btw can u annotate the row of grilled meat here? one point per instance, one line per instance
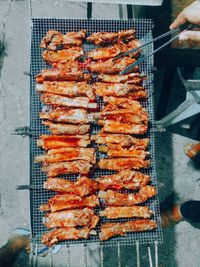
(69, 92)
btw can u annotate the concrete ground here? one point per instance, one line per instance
(176, 173)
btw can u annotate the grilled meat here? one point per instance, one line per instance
(61, 128)
(82, 187)
(116, 199)
(111, 229)
(55, 40)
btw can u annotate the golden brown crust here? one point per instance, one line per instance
(69, 89)
(116, 199)
(82, 187)
(109, 230)
(56, 40)
(61, 128)
(127, 212)
(126, 179)
(112, 67)
(60, 55)
(101, 38)
(117, 164)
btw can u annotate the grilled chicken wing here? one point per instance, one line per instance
(70, 89)
(127, 179)
(112, 67)
(101, 38)
(54, 141)
(68, 218)
(115, 89)
(125, 128)
(116, 199)
(69, 201)
(61, 114)
(135, 78)
(121, 139)
(117, 164)
(67, 167)
(67, 154)
(59, 128)
(111, 229)
(126, 212)
(77, 102)
(82, 187)
(56, 40)
(60, 55)
(113, 51)
(116, 151)
(61, 234)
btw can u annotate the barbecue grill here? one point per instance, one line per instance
(38, 195)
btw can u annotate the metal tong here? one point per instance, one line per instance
(177, 31)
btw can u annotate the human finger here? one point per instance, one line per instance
(190, 35)
(181, 19)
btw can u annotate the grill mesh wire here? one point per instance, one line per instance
(39, 196)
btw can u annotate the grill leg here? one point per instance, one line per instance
(138, 253)
(156, 253)
(150, 257)
(118, 254)
(101, 255)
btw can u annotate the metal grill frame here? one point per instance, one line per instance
(38, 195)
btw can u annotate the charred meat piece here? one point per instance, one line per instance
(63, 114)
(121, 139)
(67, 154)
(82, 187)
(72, 233)
(67, 167)
(69, 89)
(54, 141)
(60, 55)
(112, 67)
(68, 218)
(122, 102)
(116, 151)
(76, 102)
(127, 212)
(55, 40)
(124, 115)
(113, 198)
(101, 38)
(117, 164)
(113, 51)
(115, 89)
(127, 179)
(110, 126)
(67, 70)
(61, 128)
(61, 75)
(137, 95)
(111, 229)
(69, 201)
(131, 78)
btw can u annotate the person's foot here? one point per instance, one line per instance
(192, 150)
(20, 238)
(190, 210)
(171, 216)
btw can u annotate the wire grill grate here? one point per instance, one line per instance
(39, 196)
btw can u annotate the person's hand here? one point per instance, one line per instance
(190, 14)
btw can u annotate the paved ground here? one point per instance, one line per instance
(175, 172)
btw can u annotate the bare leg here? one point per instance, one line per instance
(10, 251)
